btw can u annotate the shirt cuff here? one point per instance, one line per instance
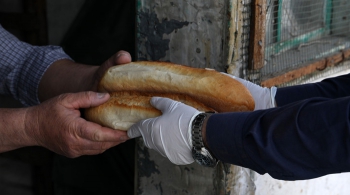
(225, 138)
(40, 60)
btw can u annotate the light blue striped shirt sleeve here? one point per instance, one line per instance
(23, 65)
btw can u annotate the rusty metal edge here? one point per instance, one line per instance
(311, 68)
(257, 35)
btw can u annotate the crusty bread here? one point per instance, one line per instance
(132, 85)
(123, 109)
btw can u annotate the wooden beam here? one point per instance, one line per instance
(316, 66)
(257, 35)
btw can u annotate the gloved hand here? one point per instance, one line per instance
(170, 133)
(264, 97)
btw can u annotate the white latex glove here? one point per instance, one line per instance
(170, 133)
(264, 97)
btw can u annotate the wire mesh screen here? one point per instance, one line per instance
(299, 32)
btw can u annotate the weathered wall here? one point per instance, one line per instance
(198, 33)
(195, 33)
(206, 34)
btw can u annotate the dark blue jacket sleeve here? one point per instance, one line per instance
(329, 88)
(302, 139)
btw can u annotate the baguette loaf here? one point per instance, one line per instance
(123, 108)
(132, 85)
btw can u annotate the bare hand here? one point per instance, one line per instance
(57, 125)
(66, 76)
(121, 57)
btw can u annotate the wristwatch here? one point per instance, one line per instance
(199, 153)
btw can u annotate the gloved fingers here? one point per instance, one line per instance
(273, 92)
(167, 105)
(244, 82)
(150, 140)
(134, 131)
(161, 103)
(182, 160)
(240, 80)
(224, 73)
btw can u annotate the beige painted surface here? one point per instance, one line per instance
(337, 184)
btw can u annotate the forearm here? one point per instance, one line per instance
(65, 76)
(303, 140)
(23, 65)
(12, 129)
(329, 88)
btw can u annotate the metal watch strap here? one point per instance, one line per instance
(200, 154)
(197, 131)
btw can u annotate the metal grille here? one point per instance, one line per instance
(299, 32)
(246, 17)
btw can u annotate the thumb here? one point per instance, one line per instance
(84, 99)
(97, 98)
(121, 57)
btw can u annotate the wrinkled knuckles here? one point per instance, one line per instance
(89, 95)
(62, 97)
(97, 136)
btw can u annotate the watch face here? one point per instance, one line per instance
(203, 157)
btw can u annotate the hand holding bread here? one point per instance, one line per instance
(132, 85)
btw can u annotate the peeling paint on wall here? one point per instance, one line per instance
(152, 30)
(167, 178)
(148, 167)
(197, 42)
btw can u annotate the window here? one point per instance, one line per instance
(302, 32)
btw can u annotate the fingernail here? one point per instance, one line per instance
(121, 54)
(101, 95)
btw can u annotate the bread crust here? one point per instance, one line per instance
(124, 108)
(132, 85)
